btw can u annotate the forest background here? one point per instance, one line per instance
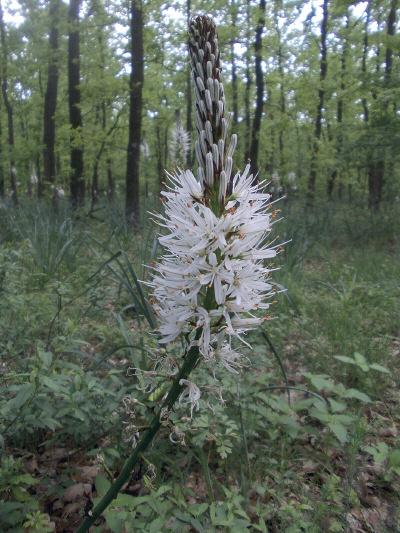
(96, 103)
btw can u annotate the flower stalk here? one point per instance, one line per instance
(178, 386)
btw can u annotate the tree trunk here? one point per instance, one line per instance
(2, 187)
(9, 108)
(77, 182)
(255, 134)
(323, 69)
(339, 115)
(50, 101)
(248, 84)
(282, 101)
(376, 166)
(135, 112)
(234, 80)
(189, 103)
(364, 62)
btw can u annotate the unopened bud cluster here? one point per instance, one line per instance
(213, 153)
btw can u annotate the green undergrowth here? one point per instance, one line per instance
(306, 439)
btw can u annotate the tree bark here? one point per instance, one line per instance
(77, 182)
(9, 108)
(248, 83)
(255, 134)
(189, 103)
(364, 62)
(50, 101)
(282, 101)
(323, 70)
(376, 166)
(132, 205)
(339, 114)
(234, 80)
(2, 186)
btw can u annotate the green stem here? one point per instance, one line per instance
(189, 363)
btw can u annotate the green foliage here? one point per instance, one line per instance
(70, 338)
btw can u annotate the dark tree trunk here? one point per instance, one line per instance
(8, 106)
(364, 61)
(282, 101)
(77, 182)
(376, 166)
(234, 80)
(189, 103)
(135, 112)
(323, 69)
(50, 101)
(248, 84)
(255, 134)
(339, 115)
(2, 187)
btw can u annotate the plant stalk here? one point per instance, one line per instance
(176, 389)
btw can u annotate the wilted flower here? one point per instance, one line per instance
(212, 283)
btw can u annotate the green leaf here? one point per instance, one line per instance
(357, 395)
(379, 368)
(102, 484)
(361, 362)
(24, 394)
(46, 358)
(320, 381)
(339, 431)
(345, 359)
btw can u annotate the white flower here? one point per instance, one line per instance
(212, 283)
(60, 193)
(191, 394)
(33, 179)
(179, 144)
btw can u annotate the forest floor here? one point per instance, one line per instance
(307, 439)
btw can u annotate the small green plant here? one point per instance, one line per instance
(15, 500)
(38, 522)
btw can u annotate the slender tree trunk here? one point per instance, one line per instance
(77, 182)
(339, 115)
(2, 187)
(189, 103)
(248, 83)
(50, 101)
(364, 62)
(323, 69)
(282, 101)
(376, 169)
(9, 107)
(234, 81)
(255, 134)
(135, 112)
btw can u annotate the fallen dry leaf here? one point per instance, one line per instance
(75, 492)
